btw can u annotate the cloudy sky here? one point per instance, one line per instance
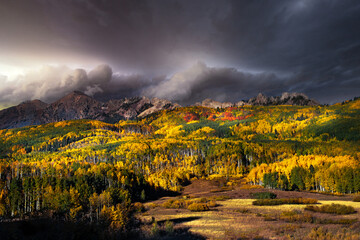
(183, 51)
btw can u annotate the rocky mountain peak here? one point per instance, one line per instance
(262, 100)
(75, 96)
(38, 104)
(157, 105)
(75, 105)
(26, 113)
(296, 99)
(78, 105)
(213, 104)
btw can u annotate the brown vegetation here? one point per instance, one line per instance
(198, 207)
(332, 208)
(235, 217)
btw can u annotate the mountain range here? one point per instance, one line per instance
(261, 100)
(78, 105)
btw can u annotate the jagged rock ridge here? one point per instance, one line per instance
(24, 114)
(214, 104)
(78, 105)
(262, 100)
(285, 99)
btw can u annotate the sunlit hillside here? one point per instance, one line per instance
(94, 171)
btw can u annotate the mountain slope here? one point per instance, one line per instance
(298, 99)
(24, 114)
(285, 99)
(78, 105)
(75, 105)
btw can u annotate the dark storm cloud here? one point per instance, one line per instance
(222, 84)
(123, 86)
(194, 84)
(247, 46)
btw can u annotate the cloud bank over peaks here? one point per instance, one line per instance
(222, 84)
(185, 87)
(51, 83)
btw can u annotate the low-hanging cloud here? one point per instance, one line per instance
(221, 84)
(185, 87)
(51, 83)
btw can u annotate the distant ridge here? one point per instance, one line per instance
(77, 105)
(24, 114)
(286, 98)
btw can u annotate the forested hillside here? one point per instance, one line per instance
(93, 171)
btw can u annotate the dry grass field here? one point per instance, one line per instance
(235, 217)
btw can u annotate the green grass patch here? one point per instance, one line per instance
(281, 201)
(263, 195)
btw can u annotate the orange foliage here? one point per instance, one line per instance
(191, 117)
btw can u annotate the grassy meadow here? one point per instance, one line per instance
(238, 218)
